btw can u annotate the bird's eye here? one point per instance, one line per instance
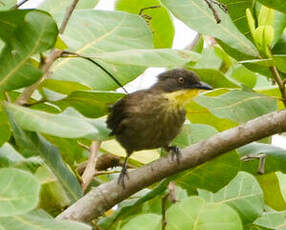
(181, 80)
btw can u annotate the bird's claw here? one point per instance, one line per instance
(175, 153)
(121, 179)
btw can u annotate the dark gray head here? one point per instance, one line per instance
(179, 79)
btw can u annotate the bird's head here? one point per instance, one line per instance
(180, 86)
(180, 79)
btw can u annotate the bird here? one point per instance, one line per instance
(153, 117)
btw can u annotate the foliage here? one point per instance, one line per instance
(43, 141)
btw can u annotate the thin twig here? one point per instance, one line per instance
(67, 16)
(194, 42)
(280, 82)
(19, 4)
(147, 8)
(261, 157)
(72, 54)
(83, 145)
(215, 13)
(172, 192)
(163, 207)
(7, 97)
(90, 170)
(27, 93)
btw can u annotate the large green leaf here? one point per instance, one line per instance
(64, 87)
(32, 221)
(277, 4)
(244, 76)
(149, 57)
(9, 157)
(199, 114)
(272, 220)
(243, 194)
(61, 125)
(210, 175)
(7, 4)
(53, 198)
(19, 192)
(92, 103)
(91, 32)
(35, 143)
(55, 6)
(144, 221)
(37, 31)
(195, 213)
(161, 22)
(239, 106)
(197, 15)
(215, 78)
(236, 10)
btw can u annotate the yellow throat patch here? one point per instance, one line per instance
(181, 97)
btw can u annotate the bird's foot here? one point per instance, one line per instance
(122, 176)
(175, 153)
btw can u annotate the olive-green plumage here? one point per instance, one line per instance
(152, 118)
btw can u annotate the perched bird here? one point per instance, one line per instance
(152, 118)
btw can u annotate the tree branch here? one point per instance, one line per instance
(90, 170)
(67, 16)
(53, 56)
(105, 196)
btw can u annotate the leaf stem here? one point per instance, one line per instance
(280, 82)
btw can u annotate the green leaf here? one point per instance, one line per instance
(276, 60)
(144, 221)
(244, 76)
(35, 143)
(193, 133)
(274, 194)
(236, 10)
(215, 78)
(38, 33)
(277, 4)
(239, 106)
(195, 213)
(244, 195)
(64, 87)
(104, 31)
(54, 6)
(210, 175)
(19, 192)
(36, 222)
(7, 4)
(149, 57)
(272, 220)
(9, 157)
(161, 22)
(132, 208)
(92, 103)
(197, 15)
(53, 198)
(61, 125)
(199, 114)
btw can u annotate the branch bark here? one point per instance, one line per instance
(105, 196)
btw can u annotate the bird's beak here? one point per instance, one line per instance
(203, 85)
